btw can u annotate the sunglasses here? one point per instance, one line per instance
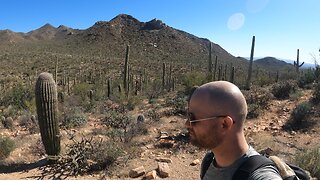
(191, 118)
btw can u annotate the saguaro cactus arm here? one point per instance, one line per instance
(296, 63)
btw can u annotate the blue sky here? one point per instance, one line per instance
(280, 26)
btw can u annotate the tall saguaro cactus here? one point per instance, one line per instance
(296, 63)
(47, 110)
(126, 71)
(209, 76)
(163, 75)
(248, 84)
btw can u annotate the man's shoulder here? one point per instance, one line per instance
(265, 173)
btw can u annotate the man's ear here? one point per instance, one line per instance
(227, 122)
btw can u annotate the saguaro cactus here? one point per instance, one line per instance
(296, 63)
(209, 76)
(163, 75)
(126, 71)
(248, 83)
(215, 68)
(47, 110)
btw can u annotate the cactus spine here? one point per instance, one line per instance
(47, 110)
(248, 84)
(296, 63)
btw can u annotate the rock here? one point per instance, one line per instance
(151, 175)
(165, 143)
(293, 133)
(162, 159)
(163, 135)
(163, 169)
(139, 171)
(195, 162)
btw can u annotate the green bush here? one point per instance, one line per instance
(254, 111)
(193, 79)
(316, 94)
(283, 90)
(7, 123)
(258, 100)
(178, 103)
(87, 155)
(74, 120)
(6, 147)
(309, 160)
(307, 78)
(300, 117)
(82, 90)
(121, 126)
(19, 96)
(153, 115)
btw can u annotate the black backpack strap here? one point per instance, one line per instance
(250, 165)
(207, 160)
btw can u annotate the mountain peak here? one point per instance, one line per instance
(154, 24)
(124, 19)
(47, 26)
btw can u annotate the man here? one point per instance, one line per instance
(217, 111)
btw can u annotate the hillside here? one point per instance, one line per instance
(102, 46)
(273, 63)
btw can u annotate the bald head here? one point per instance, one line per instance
(220, 98)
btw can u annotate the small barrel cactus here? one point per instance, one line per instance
(140, 118)
(47, 110)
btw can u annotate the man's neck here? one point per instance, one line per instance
(227, 154)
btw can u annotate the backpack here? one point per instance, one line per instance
(286, 171)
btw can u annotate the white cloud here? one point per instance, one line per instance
(236, 21)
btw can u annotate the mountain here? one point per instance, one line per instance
(10, 36)
(149, 40)
(151, 43)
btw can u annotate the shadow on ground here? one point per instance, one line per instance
(11, 168)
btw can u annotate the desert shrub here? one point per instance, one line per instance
(74, 120)
(7, 145)
(153, 115)
(178, 103)
(254, 111)
(307, 78)
(295, 95)
(18, 96)
(258, 100)
(282, 90)
(193, 79)
(309, 160)
(10, 111)
(300, 117)
(154, 90)
(316, 94)
(121, 126)
(82, 90)
(7, 123)
(85, 155)
(29, 121)
(264, 80)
